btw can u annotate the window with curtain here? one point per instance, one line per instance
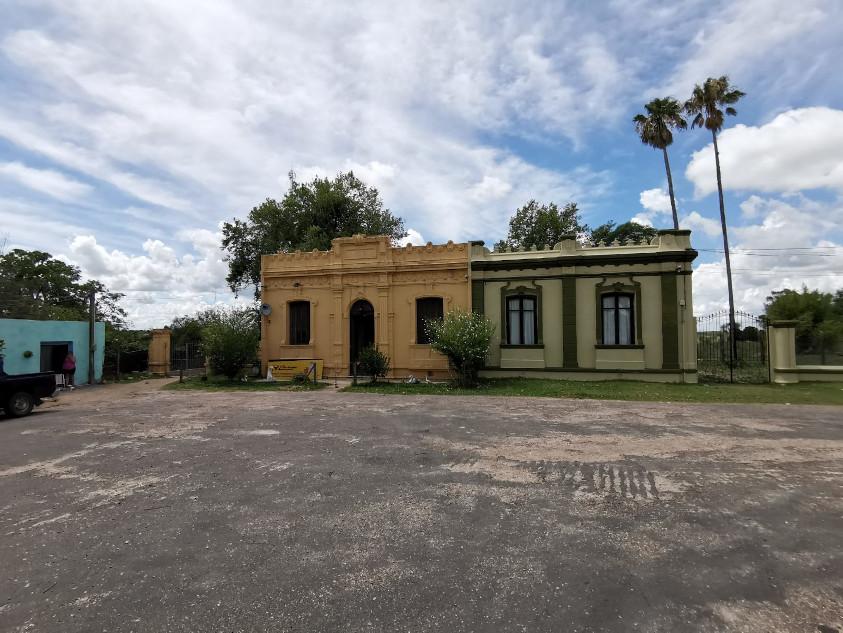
(521, 320)
(427, 309)
(299, 322)
(618, 319)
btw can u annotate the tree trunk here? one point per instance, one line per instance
(670, 189)
(733, 343)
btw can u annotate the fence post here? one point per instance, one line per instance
(782, 337)
(159, 352)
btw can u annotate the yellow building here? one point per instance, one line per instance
(572, 311)
(328, 305)
(590, 312)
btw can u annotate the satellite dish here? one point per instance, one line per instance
(266, 309)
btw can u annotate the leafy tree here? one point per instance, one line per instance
(625, 233)
(187, 329)
(35, 285)
(542, 225)
(818, 316)
(464, 338)
(709, 104)
(373, 362)
(309, 216)
(230, 340)
(656, 130)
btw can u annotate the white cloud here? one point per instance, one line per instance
(413, 237)
(738, 36)
(656, 203)
(159, 284)
(792, 244)
(696, 222)
(797, 150)
(48, 181)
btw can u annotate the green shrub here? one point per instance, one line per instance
(374, 363)
(300, 378)
(464, 338)
(230, 340)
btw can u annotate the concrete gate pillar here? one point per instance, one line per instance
(782, 337)
(159, 352)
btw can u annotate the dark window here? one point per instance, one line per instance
(618, 319)
(521, 320)
(299, 322)
(427, 309)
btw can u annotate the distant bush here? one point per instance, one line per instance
(374, 363)
(230, 340)
(464, 338)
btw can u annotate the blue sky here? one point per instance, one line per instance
(129, 131)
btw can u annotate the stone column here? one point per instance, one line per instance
(159, 352)
(782, 337)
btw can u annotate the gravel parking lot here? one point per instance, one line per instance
(133, 509)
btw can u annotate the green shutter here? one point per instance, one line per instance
(569, 322)
(478, 296)
(670, 322)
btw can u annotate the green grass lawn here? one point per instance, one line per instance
(802, 393)
(221, 384)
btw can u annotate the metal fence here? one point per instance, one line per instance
(721, 360)
(823, 346)
(186, 357)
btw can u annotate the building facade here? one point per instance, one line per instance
(571, 311)
(329, 305)
(590, 312)
(34, 346)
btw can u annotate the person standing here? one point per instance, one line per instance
(68, 367)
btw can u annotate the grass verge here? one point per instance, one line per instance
(801, 393)
(218, 384)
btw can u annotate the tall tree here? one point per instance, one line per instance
(708, 106)
(625, 233)
(35, 285)
(541, 225)
(309, 216)
(656, 130)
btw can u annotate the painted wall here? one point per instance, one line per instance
(572, 277)
(370, 268)
(21, 335)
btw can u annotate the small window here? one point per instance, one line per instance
(521, 320)
(427, 309)
(299, 322)
(618, 319)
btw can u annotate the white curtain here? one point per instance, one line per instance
(529, 316)
(514, 322)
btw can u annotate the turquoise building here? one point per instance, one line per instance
(33, 346)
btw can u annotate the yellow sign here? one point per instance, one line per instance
(286, 369)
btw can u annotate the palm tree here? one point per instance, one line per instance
(708, 106)
(656, 130)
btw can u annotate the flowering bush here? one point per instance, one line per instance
(464, 338)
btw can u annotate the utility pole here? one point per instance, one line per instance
(92, 343)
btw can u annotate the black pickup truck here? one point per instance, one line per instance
(21, 392)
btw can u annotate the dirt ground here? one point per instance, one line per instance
(126, 508)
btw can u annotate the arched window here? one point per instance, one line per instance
(299, 312)
(427, 309)
(618, 312)
(521, 320)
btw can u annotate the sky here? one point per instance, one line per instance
(129, 131)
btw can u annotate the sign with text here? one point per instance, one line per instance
(286, 369)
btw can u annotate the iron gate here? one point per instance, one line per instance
(718, 360)
(186, 357)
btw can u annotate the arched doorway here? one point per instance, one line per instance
(362, 335)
